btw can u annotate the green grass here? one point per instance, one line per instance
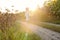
(29, 36)
(14, 33)
(51, 27)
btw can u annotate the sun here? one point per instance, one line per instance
(20, 5)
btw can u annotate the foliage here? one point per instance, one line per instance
(54, 8)
(10, 29)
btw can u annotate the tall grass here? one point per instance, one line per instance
(14, 33)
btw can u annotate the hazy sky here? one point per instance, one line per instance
(20, 4)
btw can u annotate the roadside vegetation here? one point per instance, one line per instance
(11, 30)
(50, 13)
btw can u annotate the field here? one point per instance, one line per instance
(15, 32)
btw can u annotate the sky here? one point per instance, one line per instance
(20, 4)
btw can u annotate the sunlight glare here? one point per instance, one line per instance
(20, 5)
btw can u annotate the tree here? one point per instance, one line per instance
(54, 8)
